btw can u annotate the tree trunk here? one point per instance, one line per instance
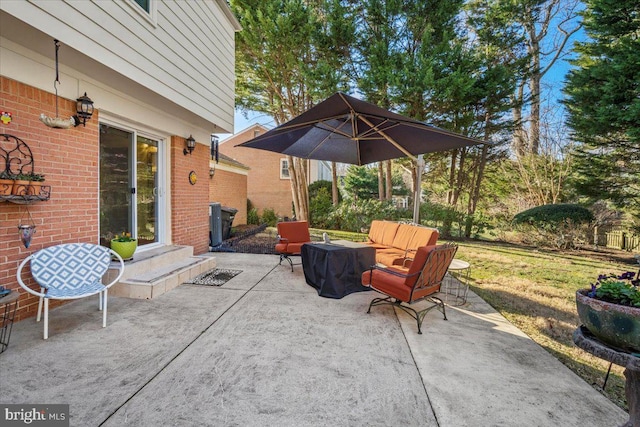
(460, 178)
(380, 181)
(534, 88)
(519, 135)
(299, 187)
(389, 185)
(452, 175)
(334, 184)
(475, 192)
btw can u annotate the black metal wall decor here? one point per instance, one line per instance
(16, 156)
(17, 163)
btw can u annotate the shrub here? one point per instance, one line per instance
(320, 206)
(445, 218)
(269, 217)
(357, 215)
(317, 186)
(552, 214)
(562, 226)
(252, 217)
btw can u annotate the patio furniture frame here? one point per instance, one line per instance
(70, 271)
(419, 282)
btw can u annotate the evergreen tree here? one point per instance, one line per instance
(290, 55)
(603, 99)
(361, 182)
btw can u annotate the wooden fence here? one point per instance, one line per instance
(619, 239)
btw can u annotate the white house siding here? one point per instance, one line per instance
(179, 60)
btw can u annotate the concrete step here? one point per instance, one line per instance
(153, 259)
(155, 272)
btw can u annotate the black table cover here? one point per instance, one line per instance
(335, 269)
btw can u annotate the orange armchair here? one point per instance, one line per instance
(291, 236)
(420, 281)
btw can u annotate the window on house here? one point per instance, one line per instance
(145, 4)
(256, 132)
(284, 169)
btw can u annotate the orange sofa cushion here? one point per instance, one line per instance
(403, 236)
(390, 256)
(395, 242)
(423, 236)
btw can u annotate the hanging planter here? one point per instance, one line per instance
(84, 106)
(26, 233)
(26, 230)
(57, 122)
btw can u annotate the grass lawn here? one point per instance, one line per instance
(535, 290)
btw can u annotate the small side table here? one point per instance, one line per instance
(8, 306)
(631, 361)
(457, 284)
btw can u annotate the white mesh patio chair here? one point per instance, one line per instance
(70, 271)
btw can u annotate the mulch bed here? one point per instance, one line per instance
(249, 239)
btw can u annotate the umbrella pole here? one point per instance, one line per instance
(418, 189)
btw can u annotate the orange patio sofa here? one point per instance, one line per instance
(396, 242)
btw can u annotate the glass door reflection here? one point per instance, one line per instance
(146, 190)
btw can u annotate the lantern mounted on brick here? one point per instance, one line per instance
(191, 145)
(84, 110)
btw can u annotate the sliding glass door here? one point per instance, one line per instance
(130, 194)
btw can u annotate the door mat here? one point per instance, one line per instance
(215, 277)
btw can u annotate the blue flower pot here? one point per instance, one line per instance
(613, 324)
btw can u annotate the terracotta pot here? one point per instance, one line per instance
(124, 249)
(613, 324)
(26, 188)
(6, 187)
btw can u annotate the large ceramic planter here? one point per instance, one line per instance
(124, 249)
(614, 324)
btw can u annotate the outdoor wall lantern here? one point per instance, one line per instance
(212, 171)
(191, 145)
(84, 110)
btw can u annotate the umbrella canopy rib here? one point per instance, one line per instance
(395, 144)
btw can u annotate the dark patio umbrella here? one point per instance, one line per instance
(347, 130)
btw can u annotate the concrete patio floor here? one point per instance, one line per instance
(265, 350)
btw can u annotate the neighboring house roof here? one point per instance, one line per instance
(226, 159)
(240, 135)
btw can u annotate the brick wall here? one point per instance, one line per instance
(190, 203)
(69, 160)
(265, 189)
(230, 189)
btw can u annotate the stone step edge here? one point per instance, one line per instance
(171, 270)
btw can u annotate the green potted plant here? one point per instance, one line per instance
(610, 310)
(6, 183)
(27, 184)
(124, 245)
